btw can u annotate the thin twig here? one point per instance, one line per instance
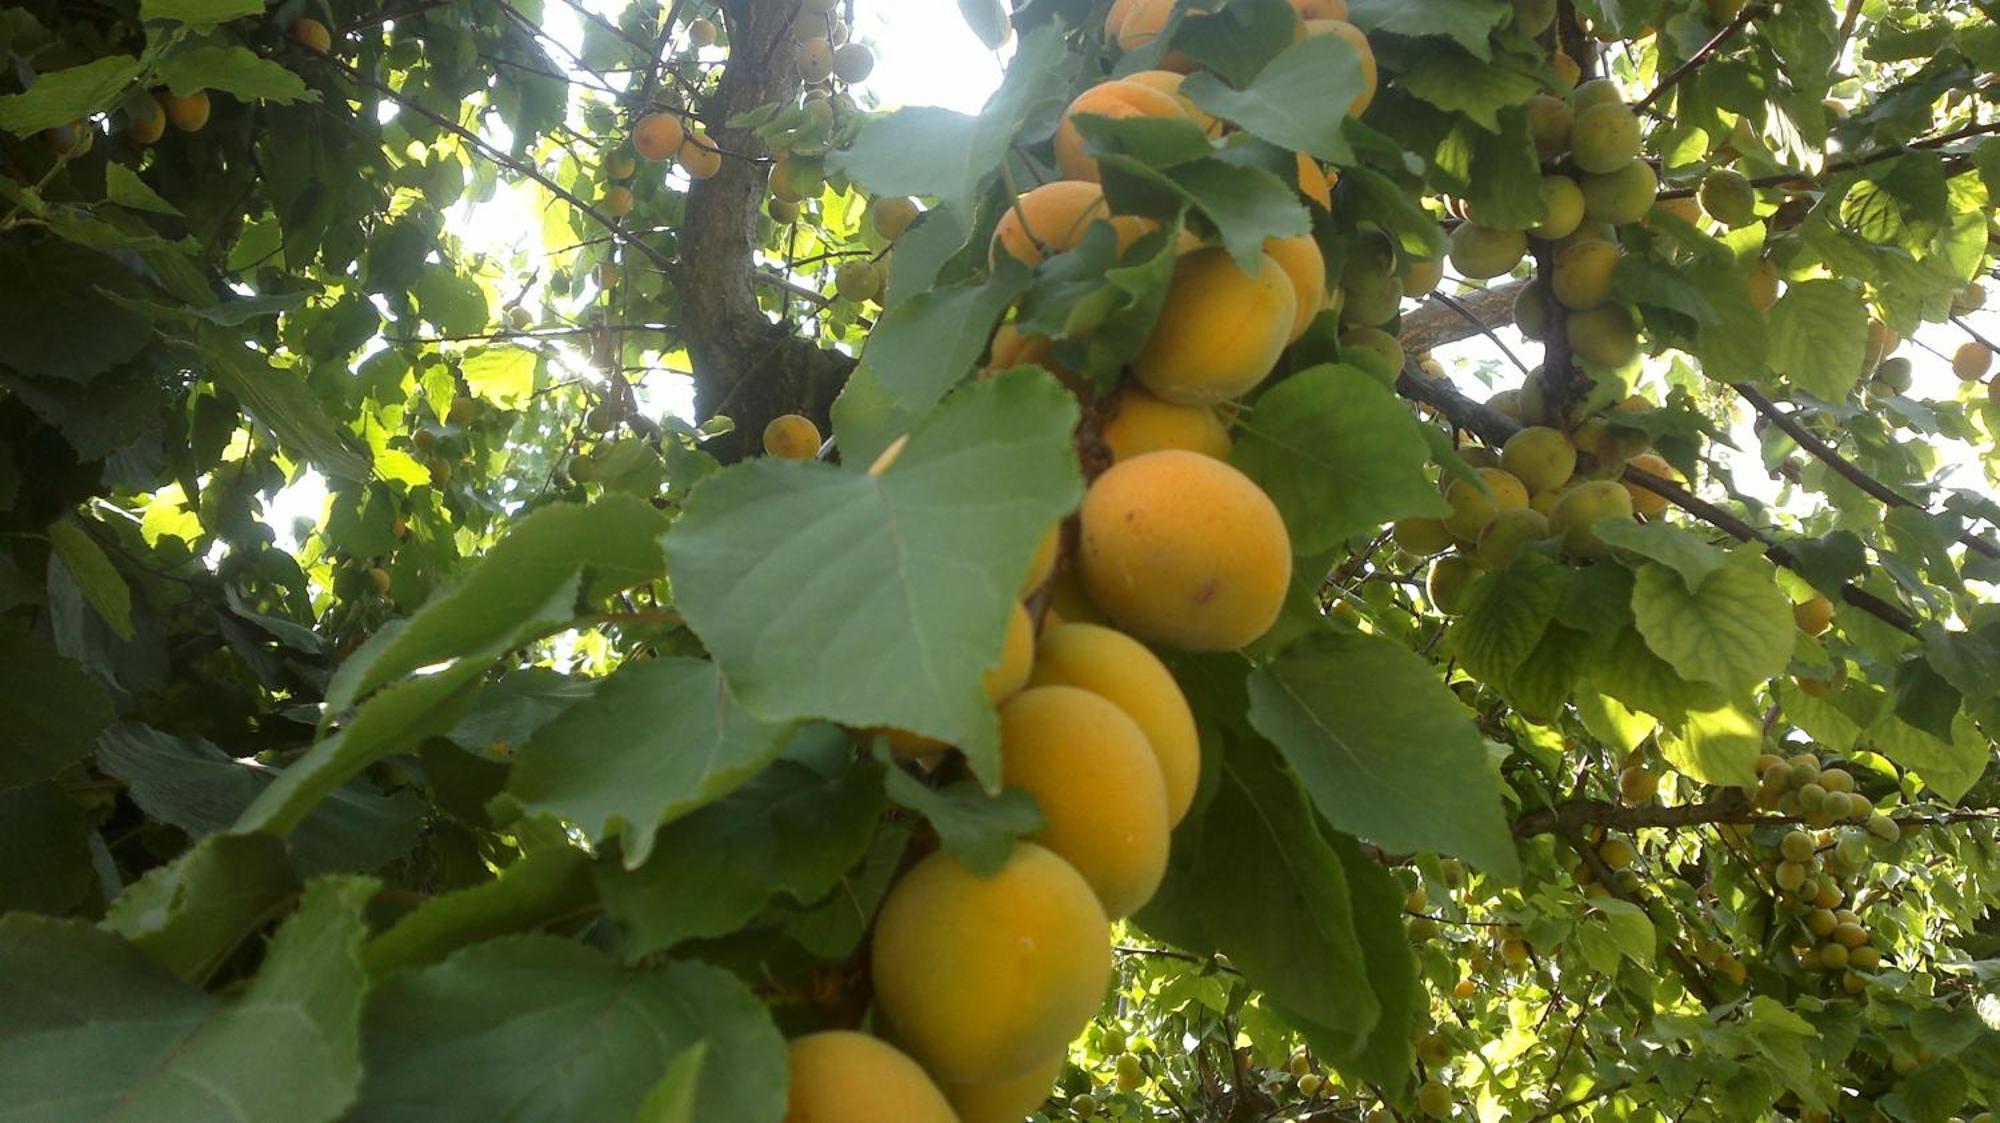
(1701, 55)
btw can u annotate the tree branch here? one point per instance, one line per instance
(1702, 54)
(1435, 324)
(1843, 467)
(1729, 806)
(1779, 179)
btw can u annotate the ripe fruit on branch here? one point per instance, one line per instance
(1115, 99)
(189, 113)
(890, 215)
(1446, 583)
(1580, 510)
(1622, 196)
(1728, 198)
(985, 978)
(1055, 217)
(311, 34)
(699, 156)
(1006, 1101)
(1584, 273)
(1182, 549)
(840, 1076)
(1564, 203)
(1220, 329)
(815, 61)
(1604, 335)
(1972, 360)
(1366, 60)
(1102, 796)
(791, 436)
(1813, 615)
(1604, 138)
(1121, 670)
(1472, 509)
(1139, 422)
(702, 33)
(1305, 268)
(657, 136)
(1540, 457)
(1645, 501)
(617, 201)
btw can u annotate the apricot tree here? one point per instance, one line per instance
(1313, 560)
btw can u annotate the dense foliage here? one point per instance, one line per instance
(743, 507)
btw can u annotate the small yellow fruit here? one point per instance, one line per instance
(839, 1076)
(984, 978)
(699, 156)
(1584, 273)
(1220, 329)
(189, 113)
(657, 136)
(1005, 1101)
(1138, 422)
(311, 34)
(1972, 360)
(891, 215)
(1582, 508)
(1472, 509)
(702, 33)
(1540, 457)
(792, 436)
(379, 580)
(1813, 616)
(1120, 669)
(617, 201)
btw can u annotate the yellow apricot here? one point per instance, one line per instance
(1320, 9)
(1116, 98)
(891, 215)
(1621, 196)
(1565, 203)
(1540, 457)
(1481, 252)
(1422, 536)
(1138, 422)
(1045, 559)
(1103, 799)
(312, 35)
(1120, 669)
(1471, 509)
(1447, 581)
(1365, 64)
(1017, 657)
(1813, 616)
(984, 978)
(1054, 217)
(1605, 335)
(1182, 549)
(1314, 182)
(1006, 1101)
(1220, 329)
(1646, 501)
(146, 119)
(658, 136)
(700, 158)
(1305, 267)
(840, 1076)
(1604, 138)
(1169, 82)
(1580, 510)
(189, 113)
(1764, 284)
(1509, 532)
(1971, 361)
(791, 436)
(1145, 21)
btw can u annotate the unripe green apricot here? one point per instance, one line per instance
(1894, 374)
(1549, 122)
(1584, 273)
(1604, 335)
(1510, 532)
(1728, 198)
(1604, 138)
(1619, 197)
(858, 281)
(1445, 586)
(1531, 312)
(1797, 847)
(1370, 299)
(1422, 536)
(1540, 457)
(1582, 508)
(1481, 252)
(1375, 339)
(1472, 509)
(1532, 17)
(1565, 203)
(1789, 876)
(1597, 91)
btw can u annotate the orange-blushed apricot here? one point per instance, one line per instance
(1115, 98)
(1121, 670)
(839, 1076)
(1137, 422)
(1220, 329)
(1305, 267)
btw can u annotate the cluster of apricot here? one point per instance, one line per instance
(1816, 866)
(982, 981)
(1544, 484)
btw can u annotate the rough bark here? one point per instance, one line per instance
(746, 365)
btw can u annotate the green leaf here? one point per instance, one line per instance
(504, 376)
(1377, 900)
(123, 186)
(47, 843)
(1374, 197)
(1456, 82)
(1236, 42)
(1297, 101)
(281, 400)
(1275, 899)
(1630, 672)
(977, 828)
(50, 709)
(1949, 768)
(1506, 611)
(1467, 22)
(833, 928)
(1247, 205)
(1902, 202)
(1338, 453)
(1717, 746)
(533, 581)
(99, 580)
(191, 914)
(96, 1030)
(1819, 337)
(46, 293)
(871, 600)
(1607, 719)
(533, 1027)
(543, 886)
(927, 344)
(928, 151)
(69, 96)
(189, 783)
(658, 739)
(1682, 551)
(1735, 630)
(199, 11)
(791, 830)
(1630, 928)
(1385, 751)
(236, 71)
